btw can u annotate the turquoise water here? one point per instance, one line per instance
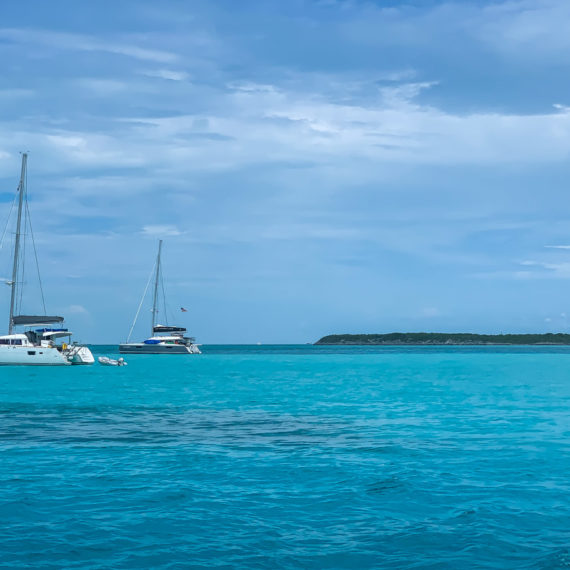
(288, 457)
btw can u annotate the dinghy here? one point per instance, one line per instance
(106, 361)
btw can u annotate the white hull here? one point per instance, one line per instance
(161, 348)
(80, 355)
(31, 356)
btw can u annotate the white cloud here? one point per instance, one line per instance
(307, 231)
(169, 74)
(77, 310)
(522, 30)
(527, 29)
(161, 231)
(77, 42)
(269, 124)
(16, 93)
(250, 87)
(544, 270)
(103, 86)
(76, 148)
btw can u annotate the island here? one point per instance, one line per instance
(447, 339)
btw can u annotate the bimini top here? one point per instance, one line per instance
(56, 334)
(166, 329)
(35, 320)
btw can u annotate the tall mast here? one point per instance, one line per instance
(14, 282)
(155, 298)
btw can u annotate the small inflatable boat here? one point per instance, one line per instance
(106, 361)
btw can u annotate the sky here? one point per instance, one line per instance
(313, 166)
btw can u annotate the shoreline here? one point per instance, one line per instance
(445, 339)
(441, 344)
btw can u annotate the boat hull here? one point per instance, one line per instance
(80, 355)
(31, 356)
(141, 348)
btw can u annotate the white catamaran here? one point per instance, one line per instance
(34, 347)
(164, 339)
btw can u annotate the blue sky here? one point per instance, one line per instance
(314, 167)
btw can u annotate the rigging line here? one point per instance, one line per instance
(35, 255)
(142, 300)
(8, 220)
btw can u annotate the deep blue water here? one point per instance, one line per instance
(289, 457)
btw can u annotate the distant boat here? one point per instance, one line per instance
(34, 347)
(164, 339)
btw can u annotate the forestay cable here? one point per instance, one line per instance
(8, 220)
(35, 255)
(142, 300)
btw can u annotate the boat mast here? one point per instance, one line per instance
(13, 283)
(155, 298)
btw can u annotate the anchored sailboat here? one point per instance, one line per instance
(35, 347)
(164, 339)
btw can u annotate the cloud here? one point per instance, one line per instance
(78, 42)
(558, 246)
(169, 74)
(77, 310)
(161, 231)
(16, 93)
(105, 87)
(535, 29)
(544, 270)
(250, 87)
(345, 123)
(522, 30)
(261, 125)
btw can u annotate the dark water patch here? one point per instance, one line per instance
(385, 485)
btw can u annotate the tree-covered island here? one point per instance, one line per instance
(445, 339)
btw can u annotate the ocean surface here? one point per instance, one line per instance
(290, 457)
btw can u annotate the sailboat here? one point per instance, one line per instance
(164, 339)
(35, 346)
